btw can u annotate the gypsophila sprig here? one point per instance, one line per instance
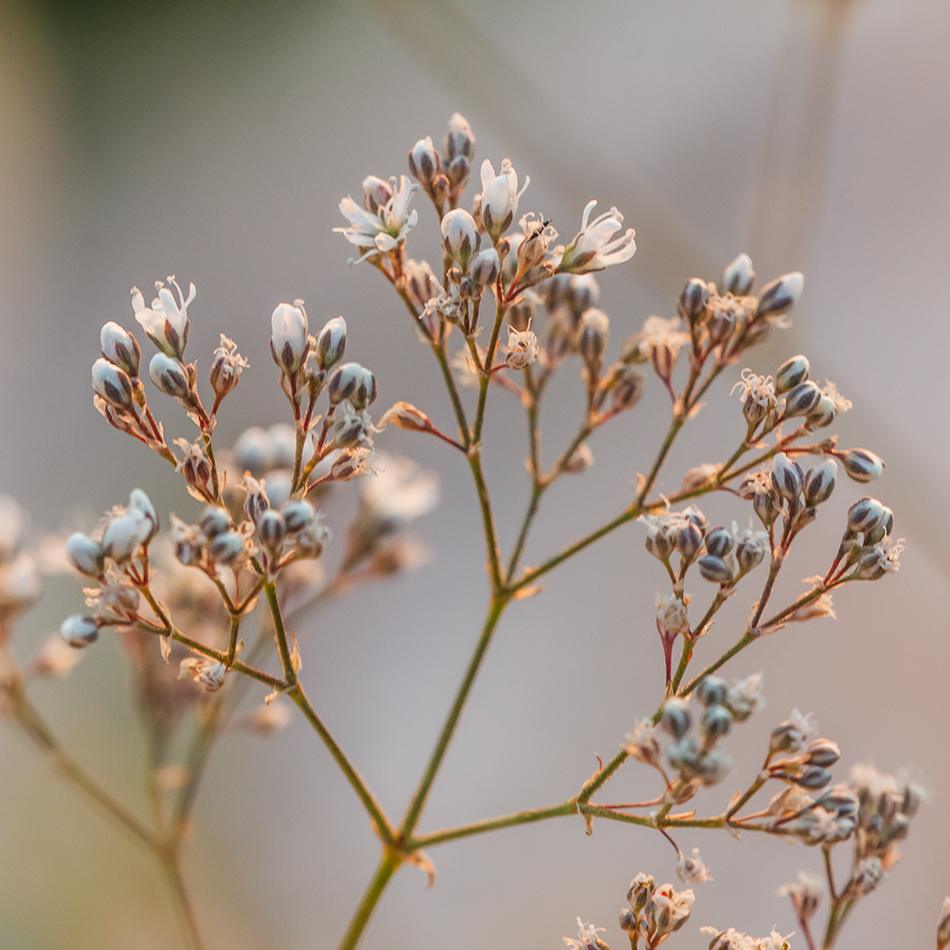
(220, 603)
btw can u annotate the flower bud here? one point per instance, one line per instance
(330, 343)
(125, 533)
(312, 540)
(298, 514)
(592, 341)
(866, 514)
(112, 384)
(823, 414)
(460, 236)
(351, 463)
(751, 550)
(353, 382)
(822, 752)
(187, 541)
(715, 569)
(289, 339)
(676, 718)
(271, 529)
(802, 399)
(641, 888)
(763, 504)
(687, 539)
(484, 267)
(780, 295)
(693, 300)
(85, 554)
(719, 542)
(861, 465)
(712, 691)
(787, 477)
(791, 373)
(214, 521)
(256, 501)
(715, 723)
(820, 482)
(227, 548)
(459, 140)
(739, 276)
(424, 162)
(812, 777)
(169, 375)
(883, 530)
(120, 347)
(581, 292)
(79, 631)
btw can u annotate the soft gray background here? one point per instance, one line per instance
(214, 141)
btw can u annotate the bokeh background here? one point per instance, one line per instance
(213, 141)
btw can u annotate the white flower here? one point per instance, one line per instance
(759, 390)
(744, 698)
(385, 229)
(401, 490)
(499, 197)
(166, 321)
(593, 248)
(522, 348)
(882, 559)
(692, 870)
(226, 367)
(671, 908)
(587, 934)
(658, 333)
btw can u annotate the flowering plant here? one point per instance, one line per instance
(250, 564)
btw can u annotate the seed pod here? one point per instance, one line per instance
(787, 477)
(676, 719)
(739, 276)
(791, 373)
(716, 722)
(802, 399)
(715, 569)
(780, 295)
(712, 691)
(79, 631)
(820, 482)
(861, 465)
(719, 542)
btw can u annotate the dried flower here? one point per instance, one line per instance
(587, 934)
(522, 348)
(207, 673)
(692, 870)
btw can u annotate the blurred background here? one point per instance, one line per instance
(214, 141)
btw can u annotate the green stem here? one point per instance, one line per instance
(750, 636)
(376, 813)
(388, 865)
(537, 490)
(488, 521)
(491, 824)
(485, 381)
(497, 606)
(464, 434)
(283, 647)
